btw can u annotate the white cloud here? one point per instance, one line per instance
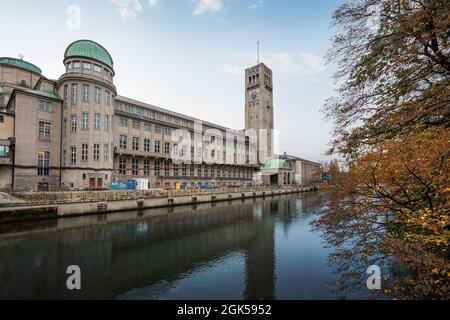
(286, 63)
(153, 3)
(233, 70)
(204, 6)
(256, 5)
(311, 62)
(280, 62)
(129, 9)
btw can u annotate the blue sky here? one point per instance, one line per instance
(189, 55)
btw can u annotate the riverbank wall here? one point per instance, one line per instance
(40, 206)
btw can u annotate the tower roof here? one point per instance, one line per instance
(18, 63)
(89, 49)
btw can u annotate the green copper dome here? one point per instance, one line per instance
(20, 64)
(89, 49)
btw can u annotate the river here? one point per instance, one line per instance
(251, 249)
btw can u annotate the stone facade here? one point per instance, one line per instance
(75, 133)
(259, 114)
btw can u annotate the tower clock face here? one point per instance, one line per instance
(253, 95)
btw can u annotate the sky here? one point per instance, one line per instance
(189, 56)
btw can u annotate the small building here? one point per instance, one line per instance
(289, 171)
(277, 172)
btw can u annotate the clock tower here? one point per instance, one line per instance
(259, 109)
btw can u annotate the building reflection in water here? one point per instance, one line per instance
(145, 252)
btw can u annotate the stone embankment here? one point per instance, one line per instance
(38, 206)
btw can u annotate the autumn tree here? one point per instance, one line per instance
(333, 168)
(392, 115)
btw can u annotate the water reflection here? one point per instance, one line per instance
(262, 249)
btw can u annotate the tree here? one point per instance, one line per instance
(333, 168)
(392, 115)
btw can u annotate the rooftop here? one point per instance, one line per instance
(19, 63)
(41, 93)
(89, 49)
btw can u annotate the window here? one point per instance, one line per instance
(175, 170)
(74, 123)
(73, 155)
(96, 152)
(97, 121)
(167, 131)
(146, 145)
(107, 97)
(136, 125)
(65, 92)
(76, 65)
(84, 152)
(167, 148)
(97, 68)
(122, 166)
(123, 122)
(45, 106)
(157, 168)
(166, 168)
(43, 163)
(123, 142)
(106, 124)
(199, 171)
(44, 130)
(87, 66)
(106, 152)
(85, 124)
(157, 129)
(184, 171)
(4, 151)
(157, 146)
(146, 127)
(85, 93)
(135, 145)
(146, 167)
(135, 167)
(74, 93)
(98, 93)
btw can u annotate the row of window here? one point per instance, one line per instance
(136, 145)
(88, 66)
(165, 168)
(86, 94)
(85, 153)
(85, 122)
(135, 124)
(144, 112)
(44, 105)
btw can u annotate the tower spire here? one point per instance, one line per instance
(257, 50)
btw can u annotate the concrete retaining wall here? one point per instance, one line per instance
(26, 213)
